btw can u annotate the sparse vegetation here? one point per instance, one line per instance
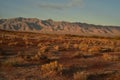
(109, 57)
(50, 68)
(58, 57)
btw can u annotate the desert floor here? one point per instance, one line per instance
(33, 56)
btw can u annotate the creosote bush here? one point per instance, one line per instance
(52, 66)
(39, 56)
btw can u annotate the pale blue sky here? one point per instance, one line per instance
(103, 12)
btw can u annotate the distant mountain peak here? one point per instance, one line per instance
(57, 27)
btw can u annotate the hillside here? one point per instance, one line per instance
(57, 27)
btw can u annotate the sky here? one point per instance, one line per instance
(100, 12)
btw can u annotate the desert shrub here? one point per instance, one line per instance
(94, 49)
(82, 55)
(43, 49)
(38, 56)
(66, 45)
(80, 76)
(25, 37)
(56, 47)
(83, 47)
(77, 55)
(76, 46)
(39, 44)
(109, 57)
(52, 66)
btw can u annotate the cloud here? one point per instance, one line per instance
(73, 3)
(69, 4)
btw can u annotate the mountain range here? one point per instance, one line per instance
(57, 27)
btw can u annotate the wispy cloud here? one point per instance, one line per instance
(69, 4)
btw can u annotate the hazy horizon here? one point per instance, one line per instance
(99, 12)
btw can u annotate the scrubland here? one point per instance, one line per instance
(33, 56)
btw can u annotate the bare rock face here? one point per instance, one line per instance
(61, 27)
